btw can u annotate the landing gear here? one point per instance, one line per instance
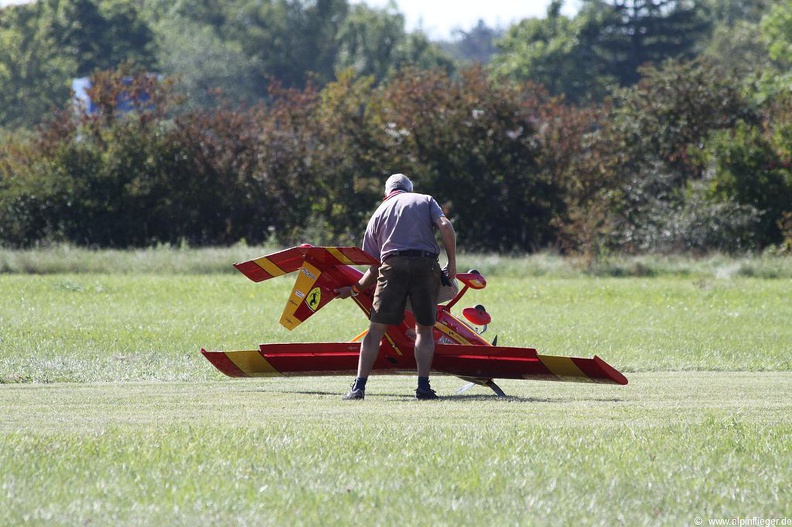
(489, 383)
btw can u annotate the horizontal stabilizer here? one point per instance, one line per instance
(290, 260)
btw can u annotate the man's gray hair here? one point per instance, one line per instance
(398, 182)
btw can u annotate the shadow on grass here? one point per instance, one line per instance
(462, 397)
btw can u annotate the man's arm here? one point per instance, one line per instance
(448, 236)
(368, 280)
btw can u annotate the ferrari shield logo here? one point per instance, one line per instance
(314, 298)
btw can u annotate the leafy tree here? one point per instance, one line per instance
(478, 45)
(34, 74)
(103, 34)
(739, 48)
(604, 44)
(469, 142)
(290, 39)
(348, 153)
(754, 166)
(668, 116)
(558, 52)
(419, 52)
(751, 171)
(47, 43)
(214, 13)
(289, 168)
(373, 43)
(735, 41)
(292, 42)
(730, 13)
(578, 155)
(370, 40)
(640, 32)
(209, 70)
(662, 127)
(777, 33)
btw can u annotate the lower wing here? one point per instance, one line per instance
(469, 362)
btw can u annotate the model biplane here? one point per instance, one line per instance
(460, 348)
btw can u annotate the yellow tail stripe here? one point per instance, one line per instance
(269, 267)
(562, 367)
(306, 278)
(252, 363)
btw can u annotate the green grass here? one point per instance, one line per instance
(112, 417)
(660, 451)
(119, 327)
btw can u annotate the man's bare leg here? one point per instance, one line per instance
(424, 353)
(369, 348)
(424, 349)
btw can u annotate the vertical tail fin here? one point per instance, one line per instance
(306, 297)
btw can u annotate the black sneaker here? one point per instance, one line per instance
(354, 395)
(424, 395)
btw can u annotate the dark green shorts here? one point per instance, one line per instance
(403, 277)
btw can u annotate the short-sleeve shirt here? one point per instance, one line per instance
(403, 222)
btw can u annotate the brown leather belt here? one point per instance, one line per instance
(411, 254)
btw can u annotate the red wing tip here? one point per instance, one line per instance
(252, 270)
(614, 374)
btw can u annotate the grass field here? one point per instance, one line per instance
(112, 417)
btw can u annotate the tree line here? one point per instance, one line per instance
(552, 143)
(237, 47)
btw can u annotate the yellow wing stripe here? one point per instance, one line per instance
(252, 363)
(338, 255)
(266, 264)
(562, 367)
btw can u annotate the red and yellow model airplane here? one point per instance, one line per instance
(460, 349)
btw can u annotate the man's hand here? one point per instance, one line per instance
(446, 277)
(368, 279)
(344, 292)
(450, 270)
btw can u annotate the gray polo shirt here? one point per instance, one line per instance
(404, 221)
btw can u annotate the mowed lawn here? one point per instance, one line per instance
(112, 417)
